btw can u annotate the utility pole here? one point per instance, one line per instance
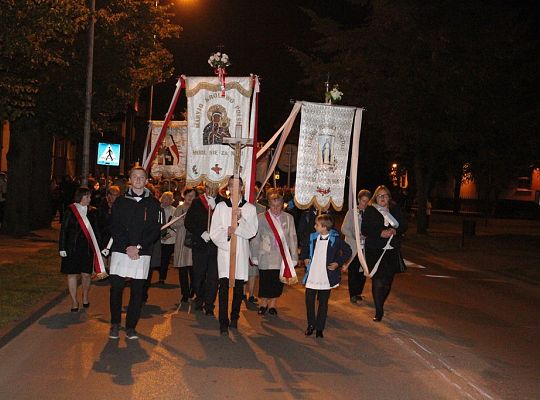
(88, 97)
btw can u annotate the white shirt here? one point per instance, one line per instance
(318, 276)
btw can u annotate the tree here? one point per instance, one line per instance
(419, 67)
(129, 55)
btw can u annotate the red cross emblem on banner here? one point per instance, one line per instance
(216, 168)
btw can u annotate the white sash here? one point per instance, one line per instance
(389, 220)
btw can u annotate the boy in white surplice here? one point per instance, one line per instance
(220, 233)
(324, 254)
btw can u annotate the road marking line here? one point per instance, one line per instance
(410, 264)
(445, 364)
(419, 345)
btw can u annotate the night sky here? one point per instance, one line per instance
(256, 36)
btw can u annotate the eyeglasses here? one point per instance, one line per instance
(382, 196)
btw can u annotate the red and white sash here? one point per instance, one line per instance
(287, 274)
(99, 266)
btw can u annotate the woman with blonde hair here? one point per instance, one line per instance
(383, 225)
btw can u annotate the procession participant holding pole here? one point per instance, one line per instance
(383, 225)
(356, 277)
(79, 246)
(274, 250)
(232, 241)
(203, 249)
(135, 228)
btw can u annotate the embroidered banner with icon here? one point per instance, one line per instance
(211, 118)
(323, 152)
(171, 155)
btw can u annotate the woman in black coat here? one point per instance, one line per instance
(383, 225)
(76, 251)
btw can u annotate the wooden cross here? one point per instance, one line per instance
(237, 143)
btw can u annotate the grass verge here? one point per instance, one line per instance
(24, 284)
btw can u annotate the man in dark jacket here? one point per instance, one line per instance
(135, 227)
(204, 251)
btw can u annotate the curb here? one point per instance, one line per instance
(14, 329)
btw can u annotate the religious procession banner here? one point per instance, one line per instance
(212, 118)
(323, 152)
(171, 156)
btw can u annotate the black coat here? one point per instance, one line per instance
(72, 238)
(135, 222)
(373, 225)
(196, 223)
(104, 213)
(80, 256)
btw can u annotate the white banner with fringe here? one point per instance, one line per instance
(211, 118)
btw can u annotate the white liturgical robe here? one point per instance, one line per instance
(247, 228)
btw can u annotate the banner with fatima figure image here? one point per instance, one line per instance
(323, 152)
(170, 160)
(213, 117)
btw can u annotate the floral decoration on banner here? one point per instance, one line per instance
(220, 62)
(333, 96)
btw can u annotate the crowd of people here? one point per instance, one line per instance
(134, 229)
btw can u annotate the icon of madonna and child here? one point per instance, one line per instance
(218, 127)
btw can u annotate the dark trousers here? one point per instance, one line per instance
(238, 295)
(166, 252)
(135, 300)
(205, 277)
(357, 279)
(380, 289)
(185, 277)
(317, 320)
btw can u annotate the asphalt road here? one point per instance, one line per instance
(448, 333)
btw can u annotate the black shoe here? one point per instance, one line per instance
(234, 324)
(86, 305)
(161, 282)
(309, 330)
(252, 299)
(262, 310)
(75, 309)
(378, 317)
(224, 330)
(131, 334)
(354, 299)
(272, 311)
(319, 334)
(114, 333)
(210, 313)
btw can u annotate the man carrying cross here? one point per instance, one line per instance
(221, 233)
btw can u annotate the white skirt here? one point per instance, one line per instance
(124, 266)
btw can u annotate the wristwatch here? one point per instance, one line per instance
(139, 247)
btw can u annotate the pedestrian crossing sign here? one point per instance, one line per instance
(108, 154)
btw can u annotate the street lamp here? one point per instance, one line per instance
(88, 97)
